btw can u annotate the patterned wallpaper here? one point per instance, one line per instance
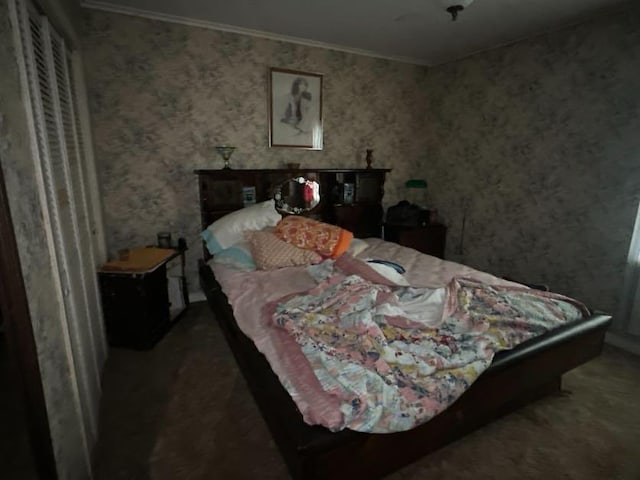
(539, 143)
(162, 95)
(535, 141)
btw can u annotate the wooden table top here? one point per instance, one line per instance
(141, 260)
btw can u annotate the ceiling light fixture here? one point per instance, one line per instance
(455, 6)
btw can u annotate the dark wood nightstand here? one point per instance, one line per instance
(140, 299)
(429, 239)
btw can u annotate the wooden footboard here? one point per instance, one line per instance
(525, 374)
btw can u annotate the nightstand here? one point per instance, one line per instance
(429, 239)
(143, 296)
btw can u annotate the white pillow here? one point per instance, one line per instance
(357, 246)
(229, 230)
(389, 273)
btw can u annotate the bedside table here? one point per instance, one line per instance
(429, 239)
(139, 299)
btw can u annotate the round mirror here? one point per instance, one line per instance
(297, 195)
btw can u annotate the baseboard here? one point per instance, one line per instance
(630, 344)
(197, 296)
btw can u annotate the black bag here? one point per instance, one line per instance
(404, 214)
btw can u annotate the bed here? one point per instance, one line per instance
(515, 377)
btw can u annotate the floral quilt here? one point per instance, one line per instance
(392, 371)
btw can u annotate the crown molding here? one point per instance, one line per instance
(192, 22)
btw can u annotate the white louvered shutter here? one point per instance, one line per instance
(60, 158)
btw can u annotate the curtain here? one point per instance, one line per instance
(628, 320)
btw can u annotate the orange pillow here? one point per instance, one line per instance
(328, 240)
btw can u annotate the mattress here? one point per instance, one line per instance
(251, 293)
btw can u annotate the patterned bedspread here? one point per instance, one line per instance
(390, 368)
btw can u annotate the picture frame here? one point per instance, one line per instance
(295, 109)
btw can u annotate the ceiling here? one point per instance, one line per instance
(416, 31)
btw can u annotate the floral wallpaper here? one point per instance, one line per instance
(532, 145)
(538, 142)
(163, 95)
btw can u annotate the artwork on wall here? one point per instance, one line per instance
(295, 109)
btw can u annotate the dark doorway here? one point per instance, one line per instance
(25, 445)
(16, 457)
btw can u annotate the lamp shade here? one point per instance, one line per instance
(416, 183)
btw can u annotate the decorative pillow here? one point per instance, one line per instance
(238, 257)
(357, 246)
(270, 252)
(228, 230)
(328, 240)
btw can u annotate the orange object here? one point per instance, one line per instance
(343, 243)
(140, 260)
(302, 232)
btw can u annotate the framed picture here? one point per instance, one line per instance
(295, 109)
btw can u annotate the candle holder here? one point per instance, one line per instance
(369, 157)
(225, 151)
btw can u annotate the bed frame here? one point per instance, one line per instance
(515, 378)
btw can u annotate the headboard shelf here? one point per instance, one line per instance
(349, 197)
(293, 171)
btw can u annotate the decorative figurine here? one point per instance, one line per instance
(369, 157)
(225, 152)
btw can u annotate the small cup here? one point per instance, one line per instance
(164, 239)
(123, 254)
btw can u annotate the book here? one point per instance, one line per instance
(248, 196)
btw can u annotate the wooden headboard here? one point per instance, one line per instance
(356, 207)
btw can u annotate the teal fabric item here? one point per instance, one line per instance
(238, 257)
(211, 242)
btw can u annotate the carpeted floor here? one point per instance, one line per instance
(183, 411)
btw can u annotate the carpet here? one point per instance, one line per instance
(183, 411)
